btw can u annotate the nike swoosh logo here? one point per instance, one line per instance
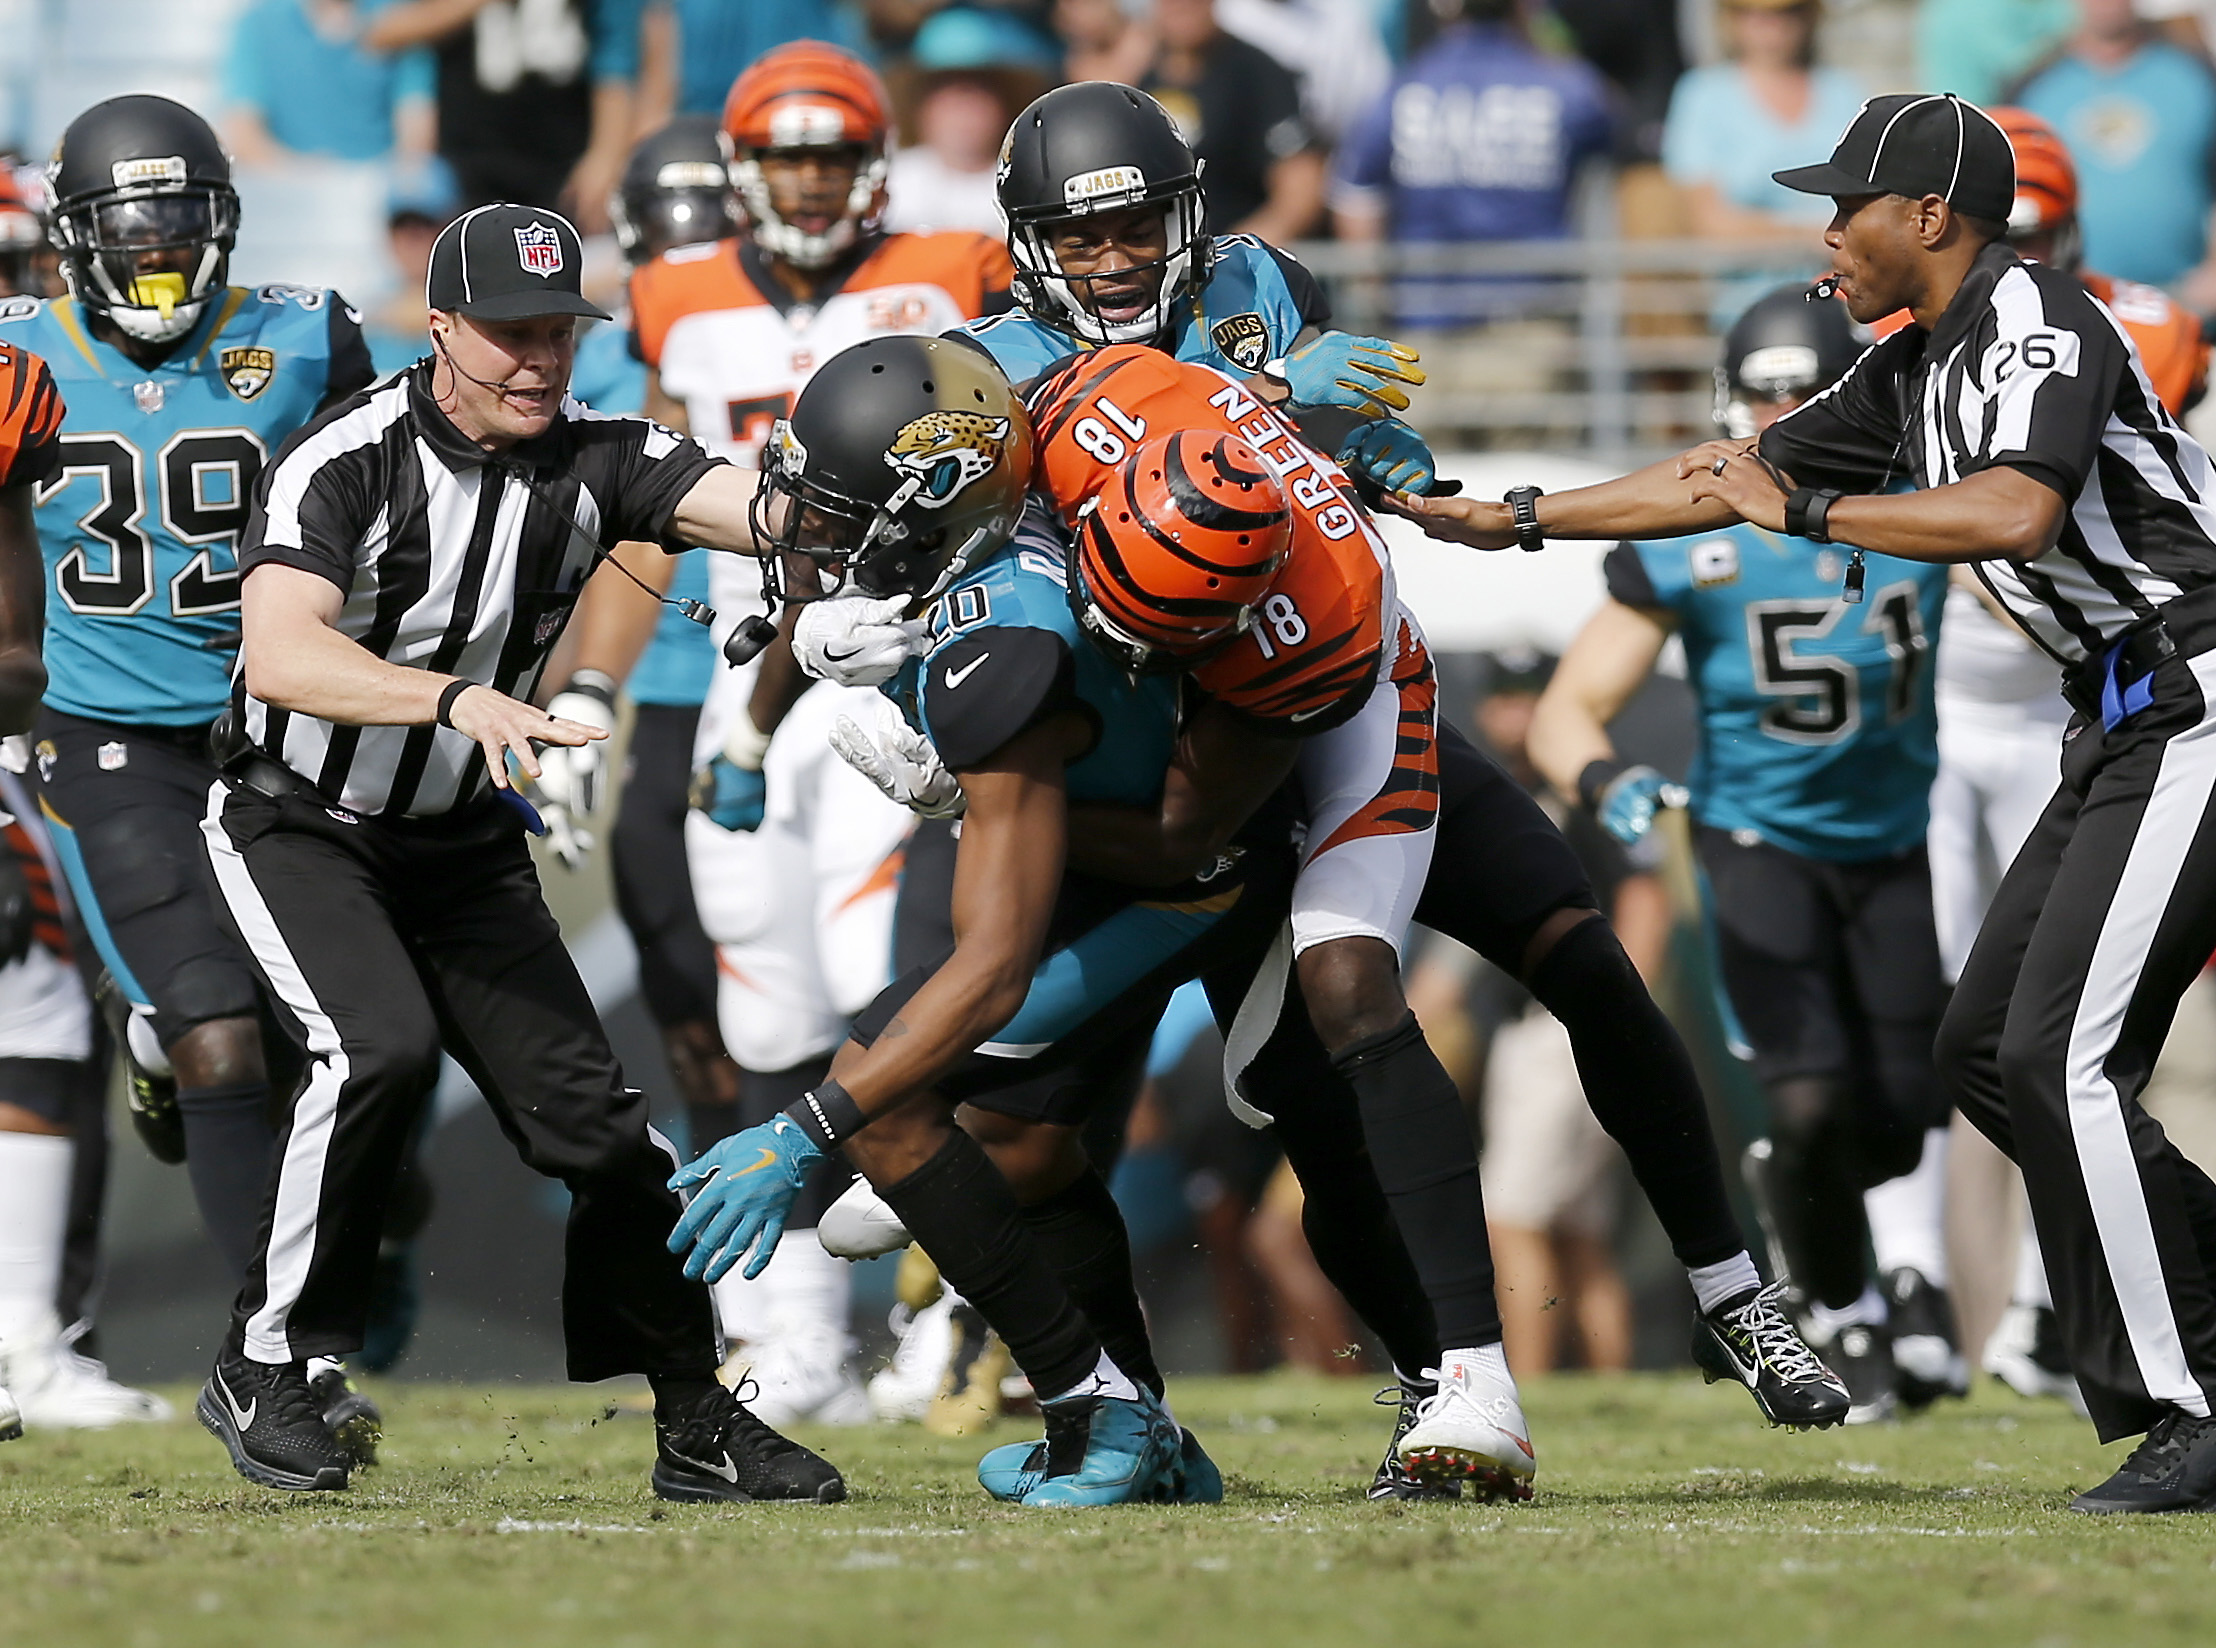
(1748, 1370)
(955, 677)
(728, 1471)
(1307, 715)
(768, 1156)
(841, 657)
(242, 1417)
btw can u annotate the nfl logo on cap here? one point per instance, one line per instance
(539, 250)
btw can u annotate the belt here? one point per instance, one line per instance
(2116, 683)
(270, 778)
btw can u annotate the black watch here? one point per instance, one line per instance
(1523, 508)
(1808, 513)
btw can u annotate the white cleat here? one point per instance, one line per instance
(1472, 1430)
(802, 1376)
(861, 1225)
(57, 1389)
(903, 1392)
(2025, 1353)
(11, 1417)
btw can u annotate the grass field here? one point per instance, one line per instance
(1665, 1515)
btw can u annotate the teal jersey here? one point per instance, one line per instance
(140, 527)
(1256, 303)
(680, 661)
(1817, 727)
(1005, 654)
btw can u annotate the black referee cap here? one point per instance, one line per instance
(1912, 145)
(510, 263)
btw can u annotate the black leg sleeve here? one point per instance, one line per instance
(1816, 1180)
(961, 1212)
(228, 1141)
(1639, 1080)
(1081, 1232)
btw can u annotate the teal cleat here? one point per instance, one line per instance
(1011, 1471)
(1106, 1450)
(1196, 1479)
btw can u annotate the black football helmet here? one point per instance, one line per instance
(905, 460)
(676, 190)
(1790, 342)
(1099, 147)
(144, 215)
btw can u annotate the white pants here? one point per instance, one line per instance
(801, 910)
(1998, 768)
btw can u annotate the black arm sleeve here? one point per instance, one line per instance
(1627, 579)
(1308, 293)
(987, 687)
(351, 370)
(1853, 436)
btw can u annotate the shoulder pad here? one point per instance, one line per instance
(19, 308)
(983, 688)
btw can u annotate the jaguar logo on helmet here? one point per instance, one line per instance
(539, 250)
(1243, 340)
(247, 371)
(786, 454)
(940, 454)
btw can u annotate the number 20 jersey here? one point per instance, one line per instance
(1817, 725)
(140, 524)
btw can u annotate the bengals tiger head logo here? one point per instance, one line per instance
(942, 453)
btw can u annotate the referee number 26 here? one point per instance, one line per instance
(203, 482)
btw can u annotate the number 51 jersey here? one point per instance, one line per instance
(139, 525)
(1817, 725)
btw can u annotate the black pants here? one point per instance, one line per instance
(646, 854)
(2103, 919)
(380, 941)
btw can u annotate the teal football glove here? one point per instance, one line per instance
(1391, 456)
(1627, 805)
(1340, 369)
(746, 1189)
(732, 796)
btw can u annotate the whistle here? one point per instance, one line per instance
(1824, 289)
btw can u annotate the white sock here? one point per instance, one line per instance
(1492, 1359)
(1725, 1280)
(1908, 1215)
(802, 1290)
(34, 1210)
(2031, 1271)
(1106, 1379)
(1824, 1323)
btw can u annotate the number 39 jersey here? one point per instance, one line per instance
(140, 521)
(1817, 726)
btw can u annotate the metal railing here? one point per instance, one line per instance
(1599, 346)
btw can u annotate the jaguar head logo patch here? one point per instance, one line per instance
(941, 453)
(247, 371)
(1243, 340)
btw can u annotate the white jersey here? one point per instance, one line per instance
(1983, 658)
(44, 1013)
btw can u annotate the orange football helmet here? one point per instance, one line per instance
(1174, 553)
(2046, 185)
(808, 95)
(21, 236)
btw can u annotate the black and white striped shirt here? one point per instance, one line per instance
(2027, 370)
(451, 560)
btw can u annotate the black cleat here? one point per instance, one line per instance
(1750, 1340)
(1863, 1357)
(718, 1451)
(267, 1416)
(1393, 1479)
(152, 1099)
(2174, 1469)
(348, 1414)
(1927, 1360)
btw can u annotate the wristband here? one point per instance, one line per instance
(1523, 508)
(454, 690)
(1593, 782)
(595, 684)
(745, 745)
(1808, 512)
(826, 1114)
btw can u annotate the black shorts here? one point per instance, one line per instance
(1500, 867)
(1112, 959)
(126, 803)
(1832, 969)
(653, 881)
(53, 1090)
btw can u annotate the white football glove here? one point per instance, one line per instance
(900, 761)
(856, 640)
(571, 778)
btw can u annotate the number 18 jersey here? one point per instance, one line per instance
(1817, 726)
(139, 524)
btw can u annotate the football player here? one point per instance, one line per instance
(179, 387)
(1810, 800)
(794, 857)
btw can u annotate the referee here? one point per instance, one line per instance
(2017, 406)
(411, 558)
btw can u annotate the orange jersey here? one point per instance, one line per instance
(2168, 336)
(733, 347)
(1318, 638)
(30, 418)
